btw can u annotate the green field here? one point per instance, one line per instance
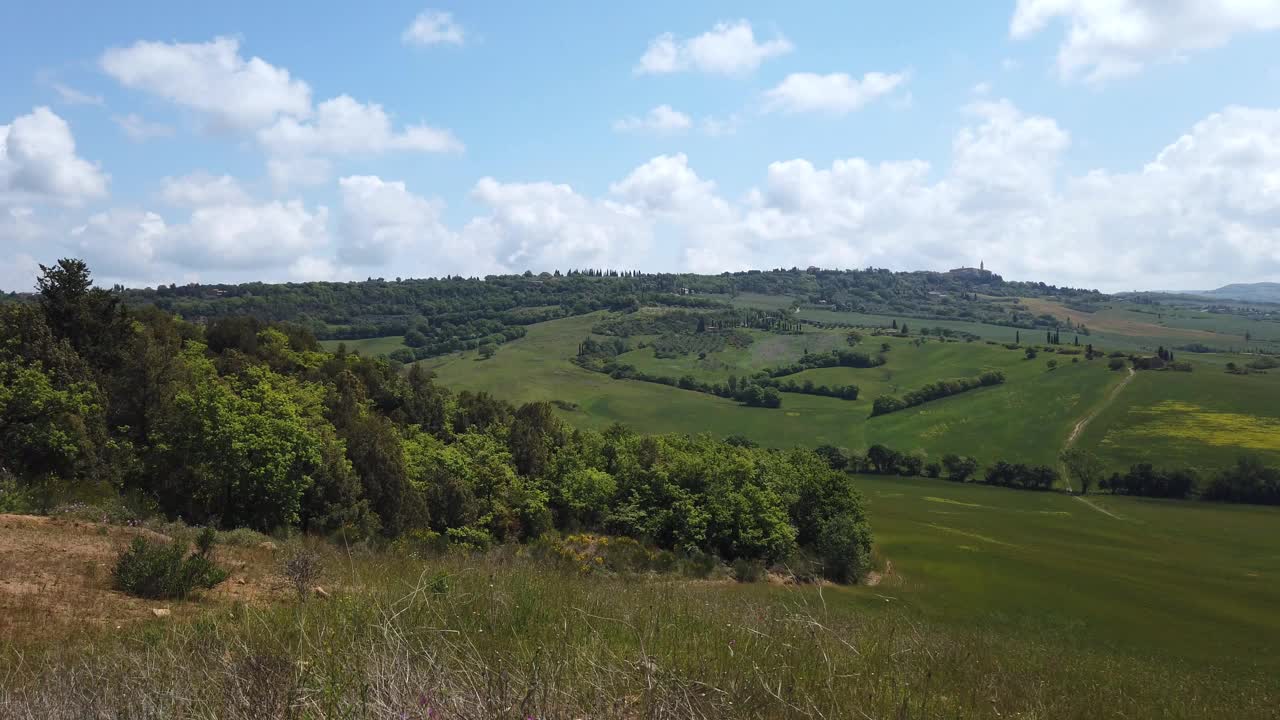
(1186, 584)
(367, 346)
(1204, 419)
(1047, 403)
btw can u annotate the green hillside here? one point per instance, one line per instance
(1048, 403)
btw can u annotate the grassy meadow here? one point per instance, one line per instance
(1189, 584)
(367, 346)
(989, 603)
(1204, 419)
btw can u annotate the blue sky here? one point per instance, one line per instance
(1120, 144)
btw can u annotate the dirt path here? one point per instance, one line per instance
(1084, 421)
(1075, 435)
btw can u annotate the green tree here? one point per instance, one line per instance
(1083, 467)
(959, 468)
(239, 449)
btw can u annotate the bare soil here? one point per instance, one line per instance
(55, 578)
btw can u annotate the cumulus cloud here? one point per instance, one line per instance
(661, 119)
(201, 189)
(1203, 211)
(261, 238)
(38, 160)
(253, 96)
(433, 27)
(383, 221)
(1113, 38)
(211, 78)
(729, 48)
(546, 225)
(342, 126)
(140, 129)
(666, 186)
(835, 93)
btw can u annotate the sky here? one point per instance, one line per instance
(1110, 144)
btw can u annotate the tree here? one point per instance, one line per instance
(93, 320)
(487, 350)
(883, 460)
(959, 468)
(415, 338)
(833, 456)
(1083, 467)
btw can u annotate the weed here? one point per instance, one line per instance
(158, 570)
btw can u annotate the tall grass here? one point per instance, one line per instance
(508, 637)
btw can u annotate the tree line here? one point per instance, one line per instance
(933, 391)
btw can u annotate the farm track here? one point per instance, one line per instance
(1075, 435)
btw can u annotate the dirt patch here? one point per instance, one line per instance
(875, 577)
(55, 577)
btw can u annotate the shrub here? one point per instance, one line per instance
(302, 567)
(13, 499)
(158, 570)
(1264, 363)
(1116, 363)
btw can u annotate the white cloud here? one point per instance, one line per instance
(19, 272)
(256, 97)
(382, 221)
(261, 238)
(121, 242)
(433, 27)
(719, 127)
(38, 160)
(201, 189)
(1204, 211)
(836, 93)
(667, 187)
(72, 96)
(661, 119)
(249, 236)
(729, 48)
(211, 78)
(544, 225)
(140, 129)
(1113, 38)
(342, 126)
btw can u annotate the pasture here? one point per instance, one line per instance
(1046, 403)
(1204, 419)
(1184, 584)
(367, 346)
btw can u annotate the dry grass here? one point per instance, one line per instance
(504, 636)
(55, 577)
(1100, 322)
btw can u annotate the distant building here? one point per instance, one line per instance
(979, 273)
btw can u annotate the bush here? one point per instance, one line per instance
(302, 567)
(1116, 363)
(158, 570)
